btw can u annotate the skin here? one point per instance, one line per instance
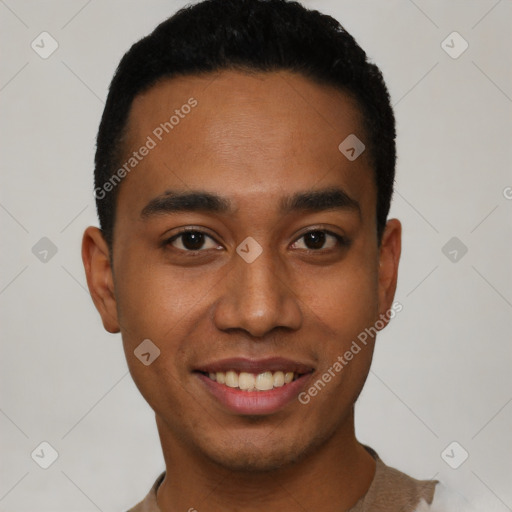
(253, 139)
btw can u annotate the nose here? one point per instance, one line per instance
(258, 297)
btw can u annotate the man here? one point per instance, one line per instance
(244, 172)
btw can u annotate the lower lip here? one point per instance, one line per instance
(255, 402)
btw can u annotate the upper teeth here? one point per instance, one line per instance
(249, 382)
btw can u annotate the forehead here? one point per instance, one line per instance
(243, 135)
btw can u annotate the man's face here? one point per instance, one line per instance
(267, 145)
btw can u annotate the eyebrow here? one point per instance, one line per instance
(171, 201)
(332, 198)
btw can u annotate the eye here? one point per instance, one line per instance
(319, 239)
(191, 240)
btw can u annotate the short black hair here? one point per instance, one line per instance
(255, 35)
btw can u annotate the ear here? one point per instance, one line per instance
(389, 256)
(96, 259)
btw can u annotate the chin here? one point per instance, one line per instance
(261, 456)
(251, 460)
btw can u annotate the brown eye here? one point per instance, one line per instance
(319, 239)
(192, 241)
(314, 239)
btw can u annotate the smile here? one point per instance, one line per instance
(245, 381)
(254, 387)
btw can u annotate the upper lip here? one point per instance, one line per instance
(242, 364)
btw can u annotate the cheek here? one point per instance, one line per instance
(346, 300)
(343, 306)
(154, 305)
(158, 303)
(153, 300)
(343, 311)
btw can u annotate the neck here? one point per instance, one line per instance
(332, 479)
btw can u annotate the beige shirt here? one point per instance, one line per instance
(390, 491)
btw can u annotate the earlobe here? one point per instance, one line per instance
(389, 257)
(96, 260)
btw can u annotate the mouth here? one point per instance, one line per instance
(253, 387)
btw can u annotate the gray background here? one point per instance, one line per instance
(441, 371)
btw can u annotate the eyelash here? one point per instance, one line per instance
(342, 241)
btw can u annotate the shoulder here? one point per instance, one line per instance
(392, 489)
